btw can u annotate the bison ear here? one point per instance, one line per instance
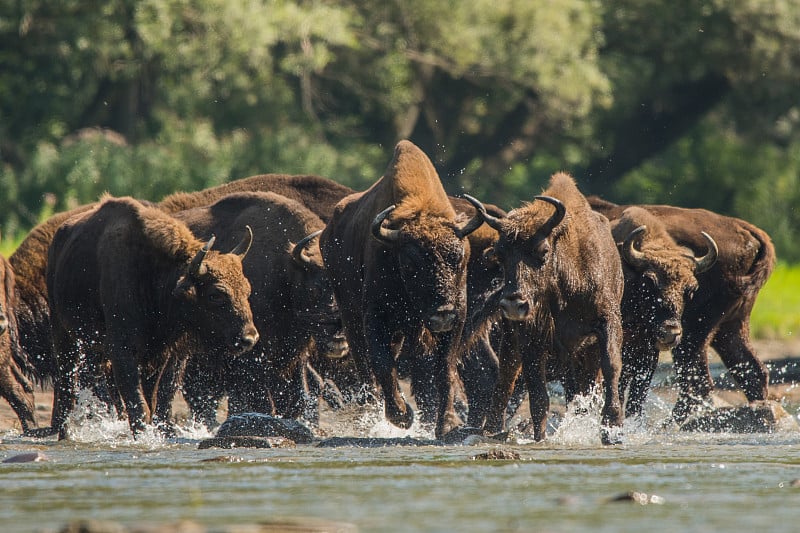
(185, 288)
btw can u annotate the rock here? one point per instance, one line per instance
(637, 497)
(757, 417)
(459, 434)
(30, 457)
(497, 454)
(366, 442)
(261, 425)
(246, 442)
(223, 459)
(93, 526)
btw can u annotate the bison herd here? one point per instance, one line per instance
(275, 291)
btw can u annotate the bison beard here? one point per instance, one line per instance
(397, 259)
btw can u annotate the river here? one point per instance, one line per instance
(688, 482)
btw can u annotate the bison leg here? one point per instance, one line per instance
(479, 370)
(611, 365)
(445, 378)
(690, 359)
(203, 387)
(732, 343)
(508, 372)
(639, 362)
(124, 358)
(379, 341)
(18, 391)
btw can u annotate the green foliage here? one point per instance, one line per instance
(776, 314)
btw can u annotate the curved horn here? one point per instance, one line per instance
(473, 223)
(299, 248)
(197, 260)
(707, 261)
(630, 253)
(557, 217)
(491, 220)
(243, 247)
(382, 233)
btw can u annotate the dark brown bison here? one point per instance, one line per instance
(660, 278)
(292, 303)
(718, 315)
(15, 385)
(130, 284)
(397, 257)
(561, 299)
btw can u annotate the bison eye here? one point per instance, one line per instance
(216, 297)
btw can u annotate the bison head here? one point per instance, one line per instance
(525, 251)
(431, 256)
(214, 294)
(660, 277)
(316, 309)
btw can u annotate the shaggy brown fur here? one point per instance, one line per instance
(562, 293)
(123, 285)
(391, 288)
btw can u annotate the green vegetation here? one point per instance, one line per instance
(776, 314)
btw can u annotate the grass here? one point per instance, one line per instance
(776, 314)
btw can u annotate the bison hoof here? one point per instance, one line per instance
(400, 418)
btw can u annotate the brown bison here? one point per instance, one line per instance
(397, 257)
(292, 303)
(660, 278)
(718, 315)
(15, 385)
(561, 299)
(130, 284)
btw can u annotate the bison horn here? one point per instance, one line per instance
(491, 220)
(299, 248)
(381, 232)
(197, 260)
(473, 223)
(243, 247)
(557, 217)
(632, 255)
(707, 261)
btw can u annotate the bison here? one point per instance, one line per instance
(561, 296)
(660, 278)
(292, 303)
(718, 315)
(397, 257)
(130, 284)
(15, 385)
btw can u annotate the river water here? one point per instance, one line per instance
(699, 482)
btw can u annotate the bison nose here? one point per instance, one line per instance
(515, 307)
(248, 339)
(670, 335)
(443, 319)
(336, 347)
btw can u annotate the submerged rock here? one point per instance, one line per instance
(246, 442)
(757, 417)
(261, 425)
(30, 457)
(375, 442)
(497, 454)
